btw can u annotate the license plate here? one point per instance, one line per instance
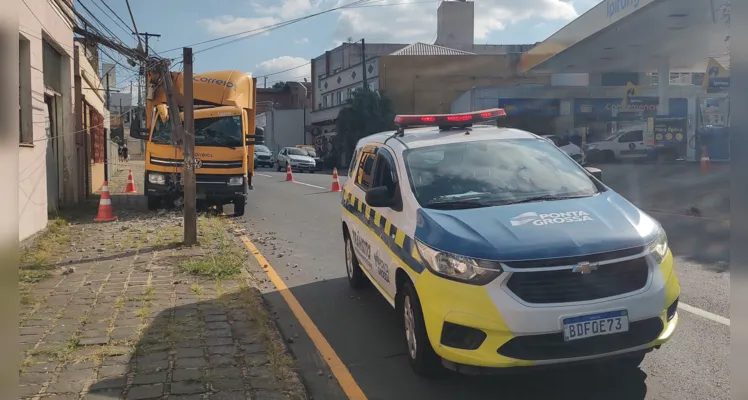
(585, 326)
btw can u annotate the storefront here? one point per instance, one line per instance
(601, 117)
(533, 115)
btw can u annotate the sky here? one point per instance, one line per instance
(289, 48)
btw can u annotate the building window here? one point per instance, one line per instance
(324, 101)
(319, 80)
(340, 97)
(26, 131)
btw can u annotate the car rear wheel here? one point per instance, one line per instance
(356, 277)
(423, 359)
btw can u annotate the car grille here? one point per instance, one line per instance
(552, 345)
(565, 286)
(263, 158)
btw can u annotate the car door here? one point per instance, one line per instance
(385, 260)
(631, 144)
(368, 247)
(282, 158)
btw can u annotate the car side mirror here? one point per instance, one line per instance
(596, 172)
(379, 197)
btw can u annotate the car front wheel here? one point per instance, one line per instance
(423, 359)
(356, 277)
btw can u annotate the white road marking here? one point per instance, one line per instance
(300, 183)
(308, 184)
(702, 313)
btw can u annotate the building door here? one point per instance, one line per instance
(50, 129)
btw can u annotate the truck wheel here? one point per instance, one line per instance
(423, 359)
(239, 204)
(609, 156)
(153, 202)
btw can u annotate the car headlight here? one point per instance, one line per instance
(236, 181)
(591, 147)
(658, 248)
(156, 178)
(459, 268)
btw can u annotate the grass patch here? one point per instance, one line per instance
(196, 288)
(47, 245)
(60, 353)
(223, 258)
(281, 363)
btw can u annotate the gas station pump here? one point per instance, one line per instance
(713, 134)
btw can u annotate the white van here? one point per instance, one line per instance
(629, 142)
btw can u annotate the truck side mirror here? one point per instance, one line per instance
(136, 131)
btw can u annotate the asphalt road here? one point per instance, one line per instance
(297, 228)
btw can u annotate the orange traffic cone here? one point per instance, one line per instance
(289, 174)
(106, 213)
(705, 161)
(335, 181)
(130, 187)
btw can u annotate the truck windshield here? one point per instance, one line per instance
(216, 132)
(494, 172)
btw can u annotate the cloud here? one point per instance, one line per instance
(301, 41)
(284, 68)
(288, 9)
(229, 25)
(416, 21)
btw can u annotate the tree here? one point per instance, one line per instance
(280, 85)
(368, 112)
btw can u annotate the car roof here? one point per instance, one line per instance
(432, 135)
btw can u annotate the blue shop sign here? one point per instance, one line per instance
(537, 107)
(603, 108)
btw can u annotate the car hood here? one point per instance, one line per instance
(547, 229)
(301, 158)
(263, 153)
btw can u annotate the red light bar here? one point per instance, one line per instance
(449, 119)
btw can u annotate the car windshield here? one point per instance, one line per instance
(494, 172)
(293, 151)
(216, 132)
(260, 148)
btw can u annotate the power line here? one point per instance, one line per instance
(285, 70)
(268, 28)
(108, 16)
(115, 14)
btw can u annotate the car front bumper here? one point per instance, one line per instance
(521, 335)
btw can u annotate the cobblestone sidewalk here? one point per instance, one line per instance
(120, 310)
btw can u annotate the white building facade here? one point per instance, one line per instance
(48, 154)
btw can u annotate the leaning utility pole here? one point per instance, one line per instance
(190, 186)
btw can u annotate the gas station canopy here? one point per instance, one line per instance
(636, 36)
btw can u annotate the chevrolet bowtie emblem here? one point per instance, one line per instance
(584, 268)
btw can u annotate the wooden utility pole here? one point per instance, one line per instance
(190, 186)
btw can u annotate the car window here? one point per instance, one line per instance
(352, 166)
(296, 152)
(384, 173)
(632, 136)
(261, 148)
(365, 169)
(496, 171)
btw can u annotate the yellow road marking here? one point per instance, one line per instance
(339, 370)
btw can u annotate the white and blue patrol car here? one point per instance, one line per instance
(498, 250)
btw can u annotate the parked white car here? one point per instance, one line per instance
(570, 148)
(298, 159)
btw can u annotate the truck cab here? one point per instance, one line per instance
(225, 137)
